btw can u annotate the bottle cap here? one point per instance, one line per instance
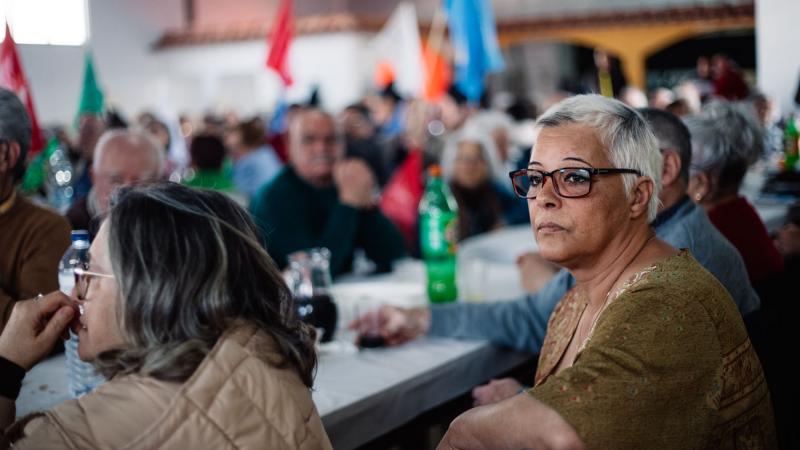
(435, 171)
(80, 235)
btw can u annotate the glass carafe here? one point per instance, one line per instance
(310, 281)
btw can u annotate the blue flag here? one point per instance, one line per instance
(277, 123)
(473, 35)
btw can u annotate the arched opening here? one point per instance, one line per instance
(677, 62)
(539, 69)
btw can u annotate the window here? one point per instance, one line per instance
(45, 22)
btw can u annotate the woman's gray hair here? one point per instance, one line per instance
(491, 121)
(726, 141)
(190, 265)
(488, 150)
(621, 130)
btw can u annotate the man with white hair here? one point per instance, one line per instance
(32, 239)
(121, 158)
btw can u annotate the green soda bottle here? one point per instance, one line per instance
(438, 227)
(791, 138)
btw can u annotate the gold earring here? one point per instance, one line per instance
(698, 197)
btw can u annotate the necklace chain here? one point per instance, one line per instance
(618, 292)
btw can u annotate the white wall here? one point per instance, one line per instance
(778, 49)
(120, 35)
(233, 75)
(192, 79)
(55, 74)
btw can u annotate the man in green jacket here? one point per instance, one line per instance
(321, 199)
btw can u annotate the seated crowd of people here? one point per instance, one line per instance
(655, 302)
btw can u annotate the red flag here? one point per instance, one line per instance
(13, 78)
(281, 38)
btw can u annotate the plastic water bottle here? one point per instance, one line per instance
(438, 226)
(82, 377)
(59, 180)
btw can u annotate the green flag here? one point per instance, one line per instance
(92, 96)
(37, 169)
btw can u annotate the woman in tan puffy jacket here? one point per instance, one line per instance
(190, 322)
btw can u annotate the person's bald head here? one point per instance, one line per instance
(124, 158)
(314, 146)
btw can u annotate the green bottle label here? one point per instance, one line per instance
(438, 232)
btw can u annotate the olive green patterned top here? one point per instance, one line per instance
(668, 365)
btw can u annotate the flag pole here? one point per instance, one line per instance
(435, 39)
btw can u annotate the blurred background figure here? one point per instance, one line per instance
(689, 93)
(726, 141)
(160, 132)
(361, 140)
(454, 109)
(321, 199)
(387, 111)
(254, 161)
(607, 77)
(420, 146)
(702, 78)
(121, 158)
(768, 118)
(661, 98)
(90, 128)
(500, 127)
(727, 79)
(210, 167)
(633, 97)
(473, 169)
(213, 125)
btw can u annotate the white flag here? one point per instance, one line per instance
(398, 44)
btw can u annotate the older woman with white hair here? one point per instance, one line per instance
(647, 350)
(190, 321)
(726, 141)
(500, 127)
(474, 171)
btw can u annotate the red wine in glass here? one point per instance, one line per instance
(318, 311)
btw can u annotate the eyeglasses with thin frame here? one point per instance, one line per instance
(82, 279)
(568, 182)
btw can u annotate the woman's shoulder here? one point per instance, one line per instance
(240, 390)
(679, 289)
(679, 273)
(114, 414)
(245, 351)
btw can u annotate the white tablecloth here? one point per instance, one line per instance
(362, 395)
(487, 268)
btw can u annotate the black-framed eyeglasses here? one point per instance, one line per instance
(82, 279)
(568, 182)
